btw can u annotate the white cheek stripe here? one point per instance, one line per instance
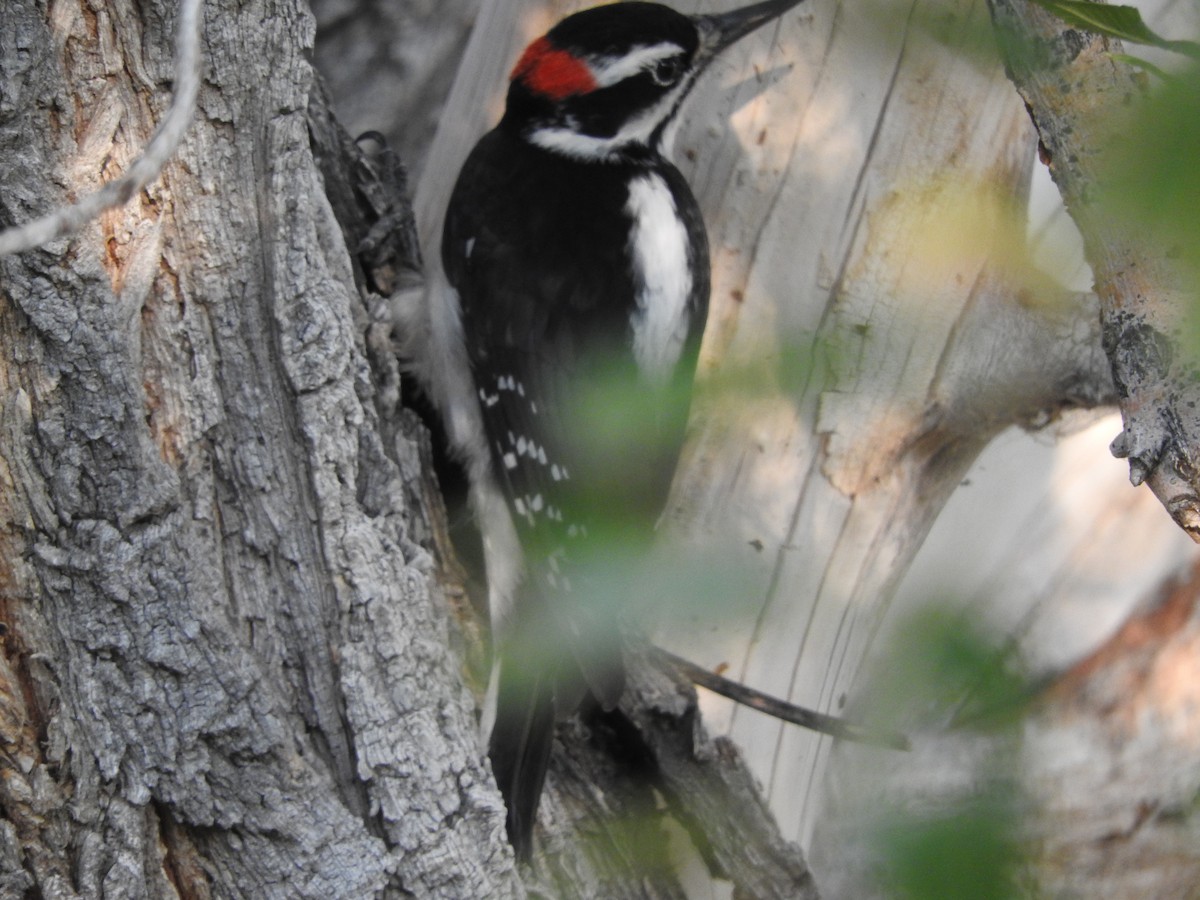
(659, 247)
(566, 139)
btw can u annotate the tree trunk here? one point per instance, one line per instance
(226, 655)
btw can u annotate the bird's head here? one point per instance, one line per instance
(604, 83)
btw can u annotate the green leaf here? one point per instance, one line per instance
(1139, 63)
(1123, 22)
(970, 849)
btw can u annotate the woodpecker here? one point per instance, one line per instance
(575, 291)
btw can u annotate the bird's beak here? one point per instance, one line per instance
(719, 31)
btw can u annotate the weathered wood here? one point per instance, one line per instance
(880, 325)
(1049, 550)
(1046, 550)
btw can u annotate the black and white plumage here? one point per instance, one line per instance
(564, 342)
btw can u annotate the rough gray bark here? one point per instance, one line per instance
(995, 365)
(226, 665)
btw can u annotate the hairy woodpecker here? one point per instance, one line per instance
(576, 288)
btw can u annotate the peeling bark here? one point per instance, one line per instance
(637, 797)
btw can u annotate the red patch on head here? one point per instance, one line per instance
(551, 72)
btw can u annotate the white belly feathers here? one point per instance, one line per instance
(658, 246)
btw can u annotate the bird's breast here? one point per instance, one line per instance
(661, 261)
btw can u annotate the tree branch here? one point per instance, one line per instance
(1072, 84)
(780, 709)
(69, 219)
(623, 781)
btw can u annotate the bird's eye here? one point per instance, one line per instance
(666, 72)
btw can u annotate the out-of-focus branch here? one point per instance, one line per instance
(1075, 89)
(69, 219)
(780, 709)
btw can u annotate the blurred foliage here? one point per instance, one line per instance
(1154, 182)
(945, 678)
(942, 675)
(957, 671)
(968, 852)
(1114, 21)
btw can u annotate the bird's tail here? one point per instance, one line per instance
(552, 655)
(520, 745)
